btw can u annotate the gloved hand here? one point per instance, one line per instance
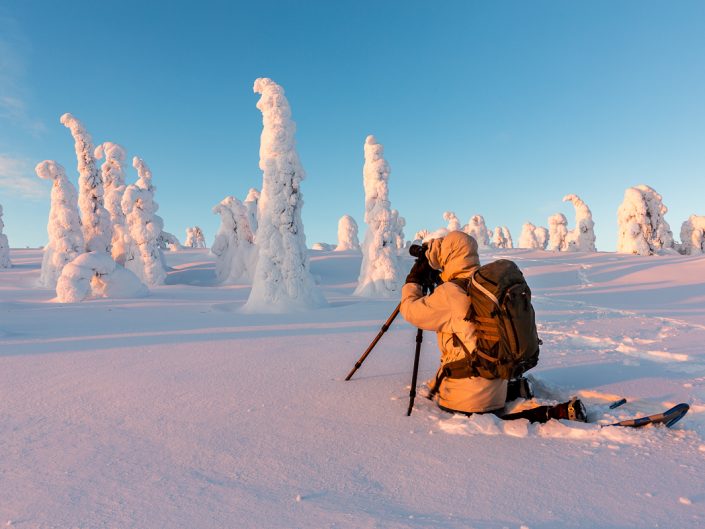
(420, 273)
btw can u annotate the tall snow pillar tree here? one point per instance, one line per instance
(282, 282)
(379, 275)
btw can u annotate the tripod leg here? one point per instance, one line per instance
(374, 342)
(414, 376)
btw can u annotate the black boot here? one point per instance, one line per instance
(519, 388)
(573, 410)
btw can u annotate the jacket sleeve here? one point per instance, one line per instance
(430, 313)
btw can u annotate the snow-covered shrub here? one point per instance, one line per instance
(582, 237)
(4, 246)
(477, 228)
(168, 241)
(282, 281)
(557, 233)
(398, 222)
(95, 275)
(379, 275)
(347, 234)
(233, 246)
(95, 219)
(643, 230)
(452, 219)
(194, 238)
(113, 176)
(693, 236)
(65, 241)
(144, 257)
(251, 203)
(502, 238)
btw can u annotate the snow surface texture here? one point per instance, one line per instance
(251, 203)
(347, 234)
(194, 238)
(113, 177)
(96, 275)
(95, 219)
(452, 219)
(477, 228)
(65, 237)
(179, 411)
(233, 246)
(693, 235)
(379, 274)
(643, 230)
(557, 233)
(4, 246)
(582, 237)
(282, 281)
(502, 238)
(144, 256)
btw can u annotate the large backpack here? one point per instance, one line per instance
(500, 308)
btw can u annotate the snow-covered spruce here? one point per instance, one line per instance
(233, 246)
(528, 238)
(113, 176)
(4, 246)
(282, 282)
(643, 230)
(502, 238)
(477, 228)
(95, 275)
(582, 237)
(144, 257)
(557, 233)
(95, 219)
(399, 223)
(422, 235)
(693, 236)
(251, 203)
(452, 219)
(322, 247)
(65, 238)
(542, 237)
(379, 274)
(194, 238)
(347, 234)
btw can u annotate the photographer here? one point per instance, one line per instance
(444, 311)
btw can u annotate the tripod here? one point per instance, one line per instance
(426, 289)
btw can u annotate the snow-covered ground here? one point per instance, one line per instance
(179, 411)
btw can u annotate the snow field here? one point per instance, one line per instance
(178, 410)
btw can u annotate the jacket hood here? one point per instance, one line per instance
(455, 255)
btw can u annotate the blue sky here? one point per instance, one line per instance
(497, 108)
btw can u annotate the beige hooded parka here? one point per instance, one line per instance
(444, 311)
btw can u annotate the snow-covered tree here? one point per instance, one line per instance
(65, 241)
(282, 281)
(502, 238)
(95, 219)
(541, 237)
(693, 236)
(422, 235)
(528, 238)
(144, 257)
(233, 246)
(4, 246)
(582, 237)
(322, 247)
(113, 176)
(347, 234)
(168, 241)
(557, 233)
(477, 228)
(452, 219)
(643, 230)
(194, 238)
(251, 203)
(398, 222)
(96, 275)
(379, 275)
